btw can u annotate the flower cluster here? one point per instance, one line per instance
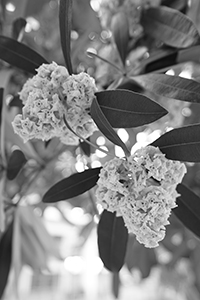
(131, 8)
(49, 95)
(141, 189)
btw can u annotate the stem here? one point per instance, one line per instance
(85, 140)
(106, 61)
(93, 204)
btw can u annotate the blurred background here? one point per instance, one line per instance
(54, 252)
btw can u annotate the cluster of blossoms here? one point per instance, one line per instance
(131, 8)
(141, 189)
(49, 95)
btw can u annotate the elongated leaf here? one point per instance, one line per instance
(120, 31)
(116, 283)
(20, 55)
(170, 26)
(126, 109)
(18, 27)
(72, 186)
(137, 256)
(85, 147)
(1, 103)
(16, 102)
(174, 87)
(188, 209)
(112, 240)
(176, 4)
(130, 85)
(15, 163)
(65, 19)
(105, 127)
(5, 257)
(181, 143)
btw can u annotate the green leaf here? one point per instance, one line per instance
(176, 4)
(137, 256)
(85, 147)
(170, 26)
(188, 209)
(16, 102)
(65, 20)
(112, 240)
(174, 87)
(105, 127)
(126, 109)
(18, 27)
(20, 55)
(5, 257)
(120, 31)
(130, 85)
(116, 283)
(1, 103)
(15, 163)
(181, 143)
(72, 186)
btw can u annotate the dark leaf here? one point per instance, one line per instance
(116, 283)
(105, 127)
(131, 85)
(120, 31)
(170, 26)
(16, 102)
(181, 143)
(46, 143)
(72, 186)
(85, 147)
(126, 109)
(137, 256)
(65, 20)
(15, 163)
(112, 241)
(17, 27)
(5, 257)
(176, 4)
(20, 55)
(1, 103)
(174, 87)
(188, 209)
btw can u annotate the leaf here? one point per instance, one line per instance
(120, 31)
(72, 186)
(116, 283)
(126, 109)
(130, 85)
(16, 102)
(65, 19)
(20, 55)
(181, 143)
(15, 163)
(17, 27)
(5, 257)
(85, 147)
(174, 87)
(188, 209)
(1, 103)
(47, 242)
(105, 127)
(112, 240)
(169, 26)
(176, 4)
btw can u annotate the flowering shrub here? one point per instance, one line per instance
(141, 189)
(48, 96)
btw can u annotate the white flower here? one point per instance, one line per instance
(141, 189)
(49, 95)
